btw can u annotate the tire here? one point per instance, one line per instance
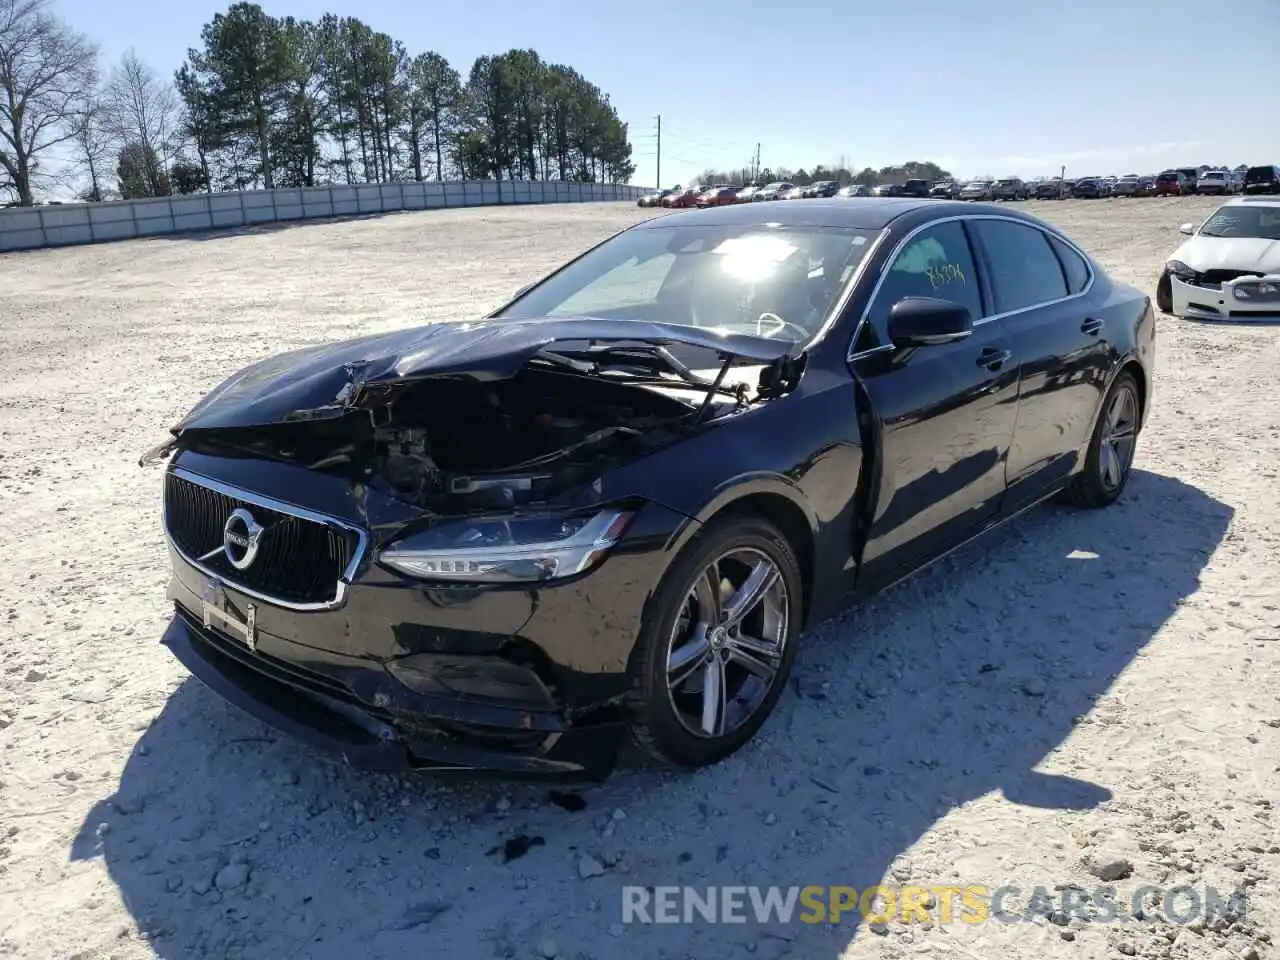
(1164, 293)
(667, 714)
(1107, 465)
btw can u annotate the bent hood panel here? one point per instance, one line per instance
(1230, 253)
(319, 379)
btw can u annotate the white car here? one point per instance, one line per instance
(1214, 181)
(1229, 269)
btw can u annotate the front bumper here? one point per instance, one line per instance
(314, 708)
(1241, 299)
(519, 680)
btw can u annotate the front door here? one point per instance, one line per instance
(944, 415)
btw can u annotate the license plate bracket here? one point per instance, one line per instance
(217, 612)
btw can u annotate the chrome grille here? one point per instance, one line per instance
(1222, 276)
(301, 560)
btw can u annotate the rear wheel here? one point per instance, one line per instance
(717, 644)
(1109, 460)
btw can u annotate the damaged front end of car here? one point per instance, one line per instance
(486, 598)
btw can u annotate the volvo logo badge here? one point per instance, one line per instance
(240, 537)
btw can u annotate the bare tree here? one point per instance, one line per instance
(143, 109)
(46, 70)
(96, 143)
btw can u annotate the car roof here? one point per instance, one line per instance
(873, 213)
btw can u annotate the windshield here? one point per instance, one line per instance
(1258, 174)
(1212, 175)
(1242, 220)
(744, 278)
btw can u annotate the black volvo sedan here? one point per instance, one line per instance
(611, 507)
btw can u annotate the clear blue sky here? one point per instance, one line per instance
(982, 86)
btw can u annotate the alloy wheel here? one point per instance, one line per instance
(1115, 455)
(726, 648)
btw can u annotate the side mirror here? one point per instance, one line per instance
(1188, 228)
(928, 322)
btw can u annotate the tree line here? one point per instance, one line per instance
(279, 102)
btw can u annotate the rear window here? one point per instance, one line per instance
(1260, 174)
(1167, 176)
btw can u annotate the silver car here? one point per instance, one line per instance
(976, 190)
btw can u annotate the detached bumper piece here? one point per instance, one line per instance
(324, 713)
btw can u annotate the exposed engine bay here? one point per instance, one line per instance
(457, 444)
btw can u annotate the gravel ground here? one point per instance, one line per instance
(1082, 694)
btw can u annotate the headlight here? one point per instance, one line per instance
(517, 550)
(1180, 270)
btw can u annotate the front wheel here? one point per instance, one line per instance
(1164, 293)
(717, 643)
(1109, 460)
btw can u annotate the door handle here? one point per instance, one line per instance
(1093, 326)
(994, 359)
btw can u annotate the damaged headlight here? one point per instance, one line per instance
(515, 550)
(1180, 270)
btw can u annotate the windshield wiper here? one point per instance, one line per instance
(652, 360)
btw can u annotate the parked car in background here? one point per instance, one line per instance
(1189, 175)
(653, 199)
(1170, 183)
(915, 188)
(1229, 268)
(773, 191)
(1009, 188)
(480, 546)
(1146, 186)
(945, 190)
(680, 199)
(747, 194)
(1051, 189)
(1126, 186)
(1106, 185)
(976, 190)
(855, 190)
(887, 190)
(1214, 182)
(1263, 179)
(823, 188)
(1088, 188)
(719, 197)
(791, 193)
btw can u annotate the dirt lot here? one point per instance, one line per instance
(1081, 691)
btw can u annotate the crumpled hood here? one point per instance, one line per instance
(312, 379)
(1230, 253)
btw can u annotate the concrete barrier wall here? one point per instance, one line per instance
(28, 228)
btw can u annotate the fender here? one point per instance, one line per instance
(1127, 358)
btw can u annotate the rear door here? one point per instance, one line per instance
(943, 415)
(1040, 290)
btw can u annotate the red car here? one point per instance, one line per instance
(684, 198)
(718, 197)
(1171, 183)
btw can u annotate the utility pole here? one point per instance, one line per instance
(658, 185)
(755, 164)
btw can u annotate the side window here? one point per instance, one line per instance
(1073, 265)
(1024, 269)
(936, 262)
(629, 284)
